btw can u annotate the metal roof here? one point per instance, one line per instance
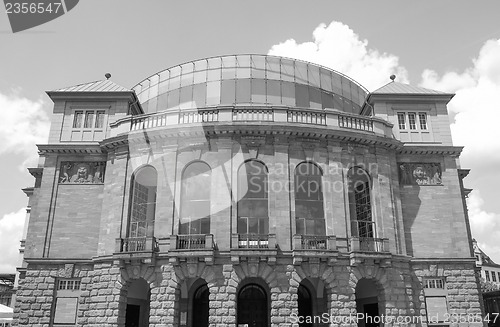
(400, 88)
(97, 86)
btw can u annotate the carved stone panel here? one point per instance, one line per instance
(82, 172)
(411, 173)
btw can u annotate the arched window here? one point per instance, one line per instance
(252, 306)
(309, 212)
(253, 215)
(195, 199)
(360, 203)
(143, 194)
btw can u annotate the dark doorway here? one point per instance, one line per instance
(367, 303)
(371, 314)
(132, 316)
(252, 306)
(200, 307)
(305, 306)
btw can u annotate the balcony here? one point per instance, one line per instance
(314, 246)
(330, 119)
(377, 249)
(256, 241)
(262, 246)
(135, 247)
(194, 242)
(191, 247)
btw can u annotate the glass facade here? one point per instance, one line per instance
(249, 80)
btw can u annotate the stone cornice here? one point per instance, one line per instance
(453, 151)
(69, 148)
(36, 172)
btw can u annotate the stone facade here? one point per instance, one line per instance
(108, 251)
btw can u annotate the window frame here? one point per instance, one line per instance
(419, 124)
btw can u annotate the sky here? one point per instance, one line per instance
(447, 45)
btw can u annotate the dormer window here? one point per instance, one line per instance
(88, 125)
(413, 126)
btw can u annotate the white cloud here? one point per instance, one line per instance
(337, 46)
(11, 231)
(485, 226)
(23, 123)
(475, 104)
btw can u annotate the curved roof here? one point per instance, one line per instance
(253, 80)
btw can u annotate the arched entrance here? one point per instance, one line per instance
(252, 306)
(200, 306)
(138, 294)
(305, 303)
(367, 303)
(312, 302)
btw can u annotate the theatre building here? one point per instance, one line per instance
(247, 190)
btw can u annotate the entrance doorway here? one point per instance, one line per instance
(138, 294)
(200, 307)
(252, 306)
(305, 305)
(367, 303)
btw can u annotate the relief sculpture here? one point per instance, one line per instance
(420, 173)
(82, 172)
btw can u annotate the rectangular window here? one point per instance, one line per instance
(487, 274)
(437, 309)
(89, 119)
(401, 120)
(77, 120)
(412, 120)
(493, 276)
(434, 283)
(422, 118)
(66, 302)
(99, 119)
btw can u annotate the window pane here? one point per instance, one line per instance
(214, 63)
(228, 91)
(244, 72)
(243, 91)
(273, 92)
(337, 83)
(162, 101)
(243, 61)
(258, 67)
(288, 93)
(229, 61)
(302, 95)
(242, 225)
(401, 121)
(200, 65)
(187, 68)
(175, 71)
(346, 88)
(77, 120)
(411, 120)
(213, 93)
(99, 121)
(228, 73)
(287, 70)
(300, 72)
(326, 100)
(314, 98)
(186, 97)
(422, 117)
(213, 75)
(199, 95)
(89, 119)
(200, 77)
(258, 91)
(313, 75)
(173, 99)
(174, 83)
(272, 68)
(326, 80)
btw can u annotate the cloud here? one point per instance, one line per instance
(475, 104)
(23, 124)
(485, 226)
(337, 46)
(11, 232)
(477, 113)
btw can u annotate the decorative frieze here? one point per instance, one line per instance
(411, 173)
(82, 172)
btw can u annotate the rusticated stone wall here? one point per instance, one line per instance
(104, 289)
